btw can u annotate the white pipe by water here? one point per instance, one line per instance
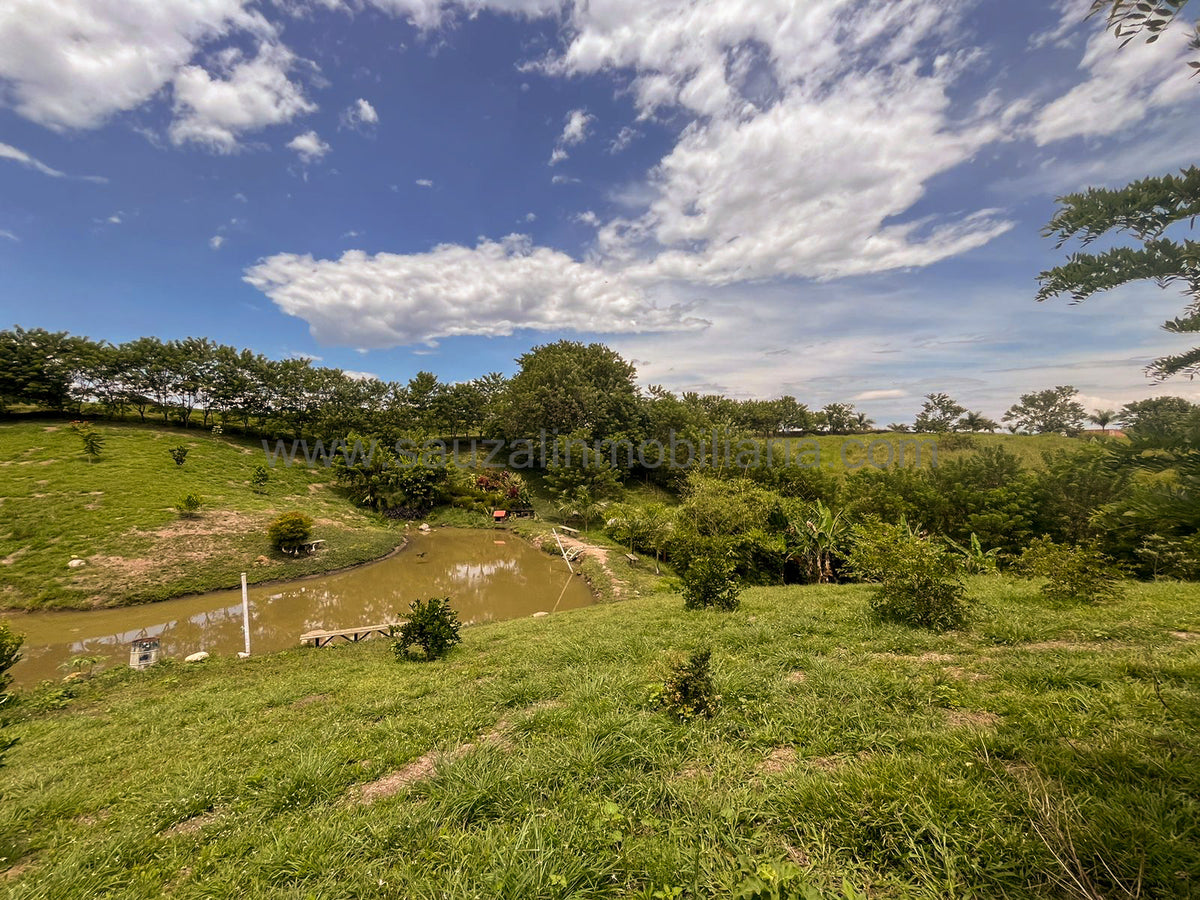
(562, 551)
(245, 614)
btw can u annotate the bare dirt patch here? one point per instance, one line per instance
(961, 673)
(191, 826)
(14, 872)
(173, 547)
(778, 760)
(1186, 635)
(581, 551)
(971, 718)
(309, 700)
(797, 677)
(424, 767)
(14, 556)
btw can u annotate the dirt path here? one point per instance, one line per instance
(585, 551)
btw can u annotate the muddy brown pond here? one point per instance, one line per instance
(488, 576)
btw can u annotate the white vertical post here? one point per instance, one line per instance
(562, 550)
(245, 614)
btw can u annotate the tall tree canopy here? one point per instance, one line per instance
(569, 387)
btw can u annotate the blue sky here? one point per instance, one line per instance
(839, 200)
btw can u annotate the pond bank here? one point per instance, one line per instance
(489, 576)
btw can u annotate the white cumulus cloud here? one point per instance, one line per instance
(360, 113)
(309, 146)
(494, 288)
(248, 94)
(74, 63)
(575, 131)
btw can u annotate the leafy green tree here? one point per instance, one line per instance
(938, 414)
(424, 395)
(432, 625)
(568, 387)
(816, 536)
(1144, 210)
(573, 465)
(839, 418)
(1054, 410)
(35, 367)
(1158, 418)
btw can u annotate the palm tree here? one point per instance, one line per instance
(898, 427)
(977, 421)
(1103, 417)
(862, 423)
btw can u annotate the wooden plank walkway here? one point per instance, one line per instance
(353, 635)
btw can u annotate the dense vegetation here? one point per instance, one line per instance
(778, 518)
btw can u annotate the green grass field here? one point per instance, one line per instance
(1041, 752)
(118, 514)
(839, 453)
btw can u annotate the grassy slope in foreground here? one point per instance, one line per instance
(118, 514)
(909, 763)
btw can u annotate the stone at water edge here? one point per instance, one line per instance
(424, 526)
(76, 562)
(197, 657)
(538, 615)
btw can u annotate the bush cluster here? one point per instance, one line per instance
(918, 581)
(289, 530)
(1073, 574)
(688, 691)
(189, 504)
(432, 625)
(709, 581)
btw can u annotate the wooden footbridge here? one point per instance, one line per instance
(351, 635)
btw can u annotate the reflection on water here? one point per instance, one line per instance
(486, 579)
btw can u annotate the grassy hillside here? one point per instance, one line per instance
(1039, 751)
(118, 514)
(839, 453)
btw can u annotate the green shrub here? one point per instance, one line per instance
(289, 530)
(1170, 557)
(259, 479)
(10, 652)
(93, 443)
(432, 625)
(189, 504)
(1073, 574)
(688, 692)
(709, 581)
(179, 454)
(917, 578)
